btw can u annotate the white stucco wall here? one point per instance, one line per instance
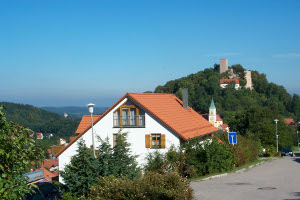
(237, 86)
(136, 137)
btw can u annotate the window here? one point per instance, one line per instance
(129, 115)
(125, 116)
(156, 141)
(115, 137)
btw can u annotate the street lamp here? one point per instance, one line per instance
(276, 121)
(91, 110)
(297, 134)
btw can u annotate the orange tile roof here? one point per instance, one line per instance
(289, 121)
(165, 107)
(224, 126)
(85, 123)
(56, 148)
(206, 117)
(168, 109)
(49, 175)
(219, 118)
(49, 151)
(72, 138)
(227, 81)
(48, 163)
(39, 135)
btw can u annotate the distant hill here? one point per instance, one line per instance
(205, 85)
(74, 112)
(40, 120)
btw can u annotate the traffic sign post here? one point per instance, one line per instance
(232, 138)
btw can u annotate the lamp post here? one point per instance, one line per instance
(91, 110)
(276, 121)
(297, 135)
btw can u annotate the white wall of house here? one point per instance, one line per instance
(237, 86)
(219, 123)
(136, 137)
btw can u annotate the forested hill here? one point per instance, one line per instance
(205, 85)
(74, 112)
(40, 120)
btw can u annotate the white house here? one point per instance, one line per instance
(225, 82)
(153, 122)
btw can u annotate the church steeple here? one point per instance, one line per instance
(212, 113)
(212, 105)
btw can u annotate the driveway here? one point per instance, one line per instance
(279, 179)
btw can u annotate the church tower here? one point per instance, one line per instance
(212, 118)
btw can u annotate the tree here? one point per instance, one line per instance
(238, 68)
(258, 124)
(82, 172)
(104, 155)
(123, 163)
(17, 151)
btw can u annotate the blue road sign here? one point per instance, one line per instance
(232, 138)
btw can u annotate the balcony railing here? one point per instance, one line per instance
(129, 121)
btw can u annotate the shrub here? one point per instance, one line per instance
(246, 150)
(172, 161)
(270, 150)
(155, 162)
(151, 186)
(209, 157)
(69, 196)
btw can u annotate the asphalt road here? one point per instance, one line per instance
(279, 179)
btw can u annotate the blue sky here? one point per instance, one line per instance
(59, 53)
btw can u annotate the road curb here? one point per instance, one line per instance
(238, 171)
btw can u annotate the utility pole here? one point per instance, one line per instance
(276, 121)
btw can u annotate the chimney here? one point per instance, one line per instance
(185, 98)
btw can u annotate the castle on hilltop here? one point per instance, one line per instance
(233, 76)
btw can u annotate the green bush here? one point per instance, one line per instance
(155, 162)
(69, 196)
(174, 160)
(152, 186)
(209, 157)
(246, 150)
(270, 151)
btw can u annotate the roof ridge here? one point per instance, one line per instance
(150, 93)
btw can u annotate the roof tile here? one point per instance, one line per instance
(85, 123)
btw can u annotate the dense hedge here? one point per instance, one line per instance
(151, 186)
(200, 159)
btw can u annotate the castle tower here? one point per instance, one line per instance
(212, 118)
(223, 65)
(249, 79)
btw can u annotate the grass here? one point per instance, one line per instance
(231, 171)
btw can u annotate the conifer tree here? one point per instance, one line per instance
(123, 162)
(82, 172)
(104, 156)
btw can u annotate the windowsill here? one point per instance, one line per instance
(156, 147)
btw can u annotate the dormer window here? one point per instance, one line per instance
(129, 115)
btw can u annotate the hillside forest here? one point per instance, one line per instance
(41, 121)
(249, 112)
